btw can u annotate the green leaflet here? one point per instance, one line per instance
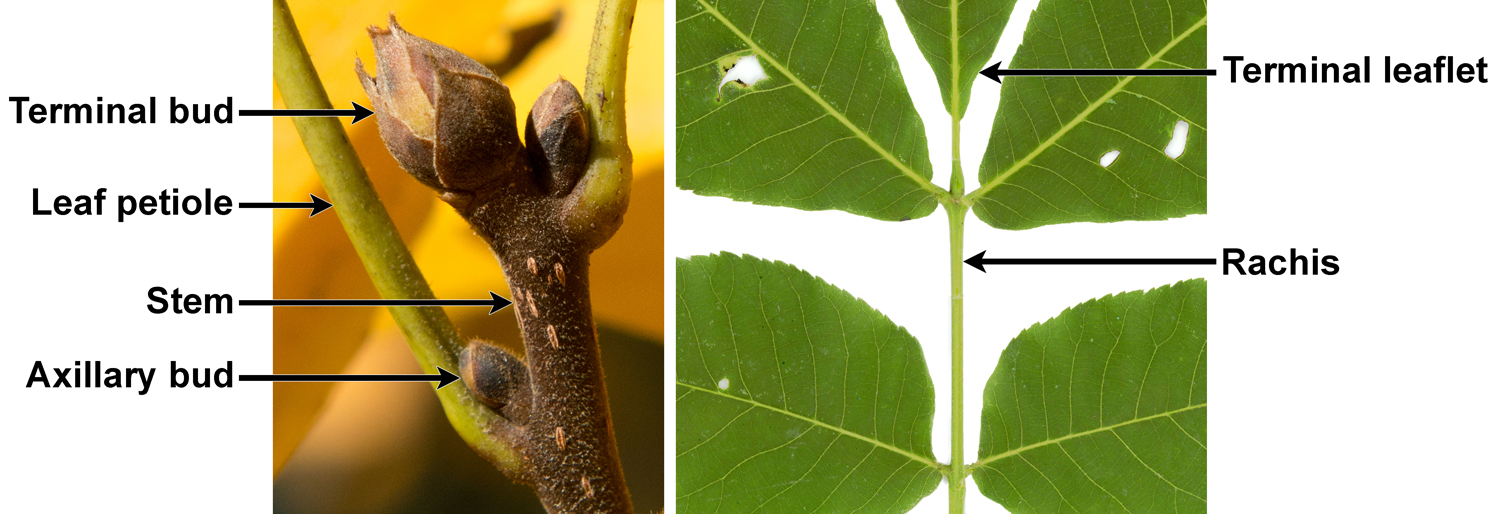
(1103, 408)
(832, 127)
(794, 396)
(956, 51)
(1042, 164)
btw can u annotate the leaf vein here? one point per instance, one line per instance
(821, 424)
(1017, 451)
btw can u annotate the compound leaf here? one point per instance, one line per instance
(1043, 164)
(795, 396)
(956, 37)
(830, 126)
(1103, 408)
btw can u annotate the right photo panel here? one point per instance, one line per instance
(950, 256)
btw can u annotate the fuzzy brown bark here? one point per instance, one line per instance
(568, 439)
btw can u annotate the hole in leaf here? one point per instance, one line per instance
(745, 71)
(1179, 140)
(724, 383)
(1109, 158)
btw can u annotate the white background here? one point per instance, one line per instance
(75, 287)
(1369, 391)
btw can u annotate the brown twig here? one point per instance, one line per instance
(542, 208)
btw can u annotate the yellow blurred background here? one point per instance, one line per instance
(373, 447)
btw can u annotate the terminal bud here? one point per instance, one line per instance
(446, 118)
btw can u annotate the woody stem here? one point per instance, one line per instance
(569, 438)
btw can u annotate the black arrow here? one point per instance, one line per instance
(443, 378)
(978, 261)
(994, 72)
(495, 303)
(317, 205)
(359, 112)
